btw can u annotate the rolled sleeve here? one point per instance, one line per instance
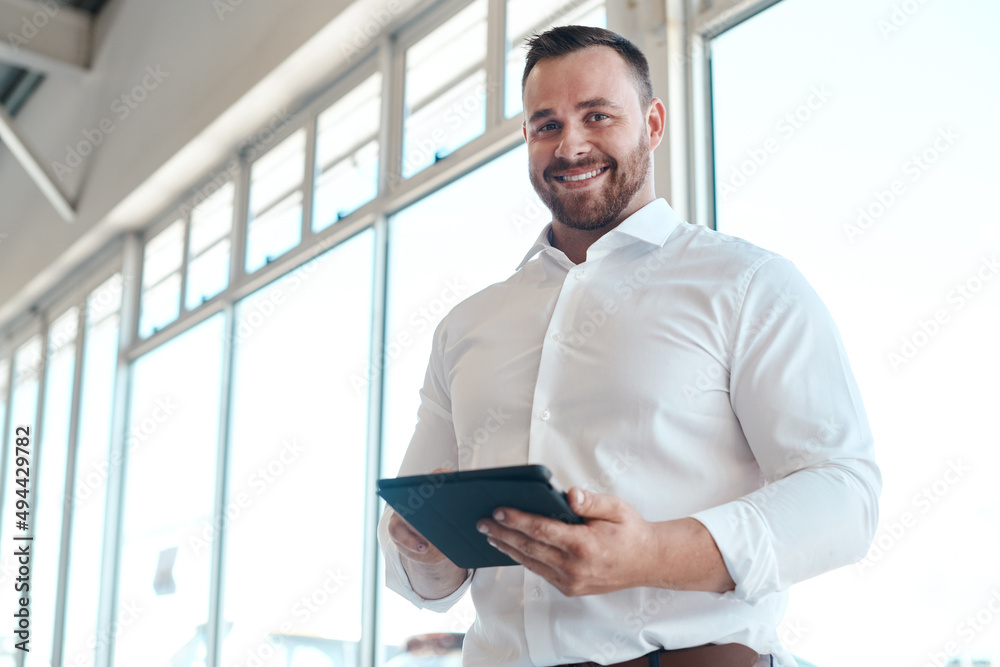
(800, 409)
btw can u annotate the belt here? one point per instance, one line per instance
(710, 655)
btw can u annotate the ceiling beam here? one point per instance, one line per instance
(45, 36)
(36, 170)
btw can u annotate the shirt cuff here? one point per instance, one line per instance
(397, 580)
(744, 540)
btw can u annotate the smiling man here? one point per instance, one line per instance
(689, 386)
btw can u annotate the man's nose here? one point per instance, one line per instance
(573, 143)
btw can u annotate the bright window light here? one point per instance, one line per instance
(347, 150)
(874, 169)
(275, 222)
(445, 89)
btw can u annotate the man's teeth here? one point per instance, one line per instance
(581, 177)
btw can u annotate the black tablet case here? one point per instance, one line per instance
(445, 507)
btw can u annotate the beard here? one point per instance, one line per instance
(586, 210)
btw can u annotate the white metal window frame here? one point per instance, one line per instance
(691, 25)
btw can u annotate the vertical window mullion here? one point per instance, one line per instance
(496, 54)
(185, 262)
(241, 221)
(71, 444)
(309, 182)
(371, 653)
(132, 261)
(214, 625)
(393, 66)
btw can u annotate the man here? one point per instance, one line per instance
(689, 385)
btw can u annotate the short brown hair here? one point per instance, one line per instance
(563, 40)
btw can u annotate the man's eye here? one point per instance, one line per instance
(546, 127)
(599, 116)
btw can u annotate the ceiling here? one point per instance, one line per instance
(17, 83)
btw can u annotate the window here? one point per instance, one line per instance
(275, 222)
(527, 17)
(347, 151)
(873, 172)
(49, 483)
(171, 458)
(445, 89)
(87, 494)
(161, 279)
(297, 459)
(209, 247)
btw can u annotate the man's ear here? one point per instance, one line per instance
(656, 122)
(524, 130)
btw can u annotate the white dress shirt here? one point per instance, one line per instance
(687, 372)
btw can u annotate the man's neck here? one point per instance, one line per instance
(575, 242)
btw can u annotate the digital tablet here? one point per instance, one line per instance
(445, 507)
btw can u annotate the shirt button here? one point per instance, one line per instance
(544, 415)
(580, 274)
(536, 593)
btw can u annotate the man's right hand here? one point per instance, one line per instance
(411, 543)
(430, 572)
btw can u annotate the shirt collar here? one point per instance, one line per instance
(651, 224)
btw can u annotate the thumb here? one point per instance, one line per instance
(595, 505)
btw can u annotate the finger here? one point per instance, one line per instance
(539, 528)
(543, 568)
(527, 545)
(407, 537)
(592, 505)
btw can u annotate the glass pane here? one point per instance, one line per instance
(23, 410)
(317, 321)
(346, 186)
(208, 274)
(352, 120)
(277, 173)
(430, 270)
(445, 88)
(105, 300)
(50, 485)
(89, 491)
(445, 123)
(160, 305)
(874, 172)
(163, 254)
(168, 500)
(525, 17)
(275, 233)
(347, 153)
(211, 220)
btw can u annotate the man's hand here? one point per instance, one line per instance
(430, 572)
(411, 543)
(615, 549)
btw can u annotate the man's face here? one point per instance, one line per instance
(588, 139)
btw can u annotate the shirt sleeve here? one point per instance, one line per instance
(432, 446)
(799, 406)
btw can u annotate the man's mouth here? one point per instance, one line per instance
(582, 177)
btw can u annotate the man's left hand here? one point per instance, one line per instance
(607, 553)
